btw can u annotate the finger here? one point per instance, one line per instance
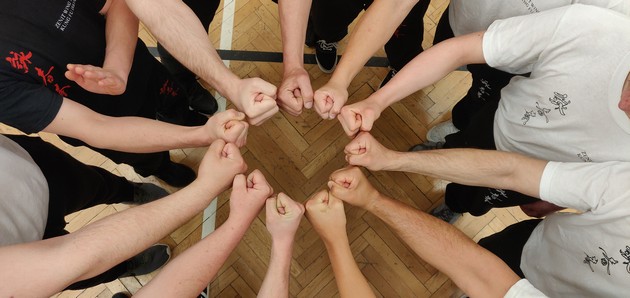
(289, 102)
(240, 182)
(319, 101)
(264, 116)
(337, 104)
(266, 88)
(306, 91)
(350, 121)
(270, 207)
(284, 204)
(258, 181)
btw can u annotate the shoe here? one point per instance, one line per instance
(446, 214)
(149, 260)
(200, 99)
(147, 192)
(427, 146)
(439, 132)
(326, 55)
(392, 72)
(175, 174)
(121, 295)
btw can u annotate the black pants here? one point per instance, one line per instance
(508, 244)
(74, 186)
(330, 20)
(205, 11)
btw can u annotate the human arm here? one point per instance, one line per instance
(490, 168)
(283, 219)
(136, 134)
(179, 30)
(55, 263)
(188, 274)
(326, 214)
(295, 92)
(424, 70)
(475, 270)
(121, 35)
(372, 31)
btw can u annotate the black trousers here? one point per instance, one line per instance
(508, 244)
(330, 19)
(74, 186)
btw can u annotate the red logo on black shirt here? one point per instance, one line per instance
(20, 61)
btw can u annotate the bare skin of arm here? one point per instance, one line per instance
(475, 270)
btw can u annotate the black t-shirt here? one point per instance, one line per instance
(38, 38)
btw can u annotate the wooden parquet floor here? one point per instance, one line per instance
(297, 155)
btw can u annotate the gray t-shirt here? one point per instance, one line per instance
(23, 196)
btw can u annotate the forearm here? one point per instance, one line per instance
(431, 66)
(372, 31)
(179, 30)
(192, 271)
(121, 33)
(276, 282)
(350, 280)
(293, 22)
(60, 261)
(474, 167)
(475, 270)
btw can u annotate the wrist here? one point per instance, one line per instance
(229, 86)
(340, 79)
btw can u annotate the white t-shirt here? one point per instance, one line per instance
(467, 16)
(579, 57)
(588, 254)
(523, 289)
(24, 196)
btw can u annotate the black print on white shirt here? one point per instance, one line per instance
(540, 111)
(590, 260)
(626, 255)
(607, 260)
(560, 101)
(584, 157)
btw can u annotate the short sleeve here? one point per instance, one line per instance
(596, 187)
(524, 289)
(515, 44)
(27, 106)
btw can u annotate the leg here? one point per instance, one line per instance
(479, 200)
(406, 43)
(508, 244)
(443, 30)
(72, 185)
(331, 18)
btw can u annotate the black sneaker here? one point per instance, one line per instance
(326, 55)
(121, 295)
(427, 146)
(151, 259)
(446, 214)
(392, 72)
(175, 174)
(200, 99)
(147, 192)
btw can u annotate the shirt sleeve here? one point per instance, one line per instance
(523, 288)
(27, 106)
(596, 187)
(515, 44)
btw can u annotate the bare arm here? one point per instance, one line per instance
(475, 270)
(136, 134)
(121, 34)
(326, 214)
(424, 70)
(295, 92)
(55, 263)
(488, 168)
(188, 274)
(180, 31)
(283, 219)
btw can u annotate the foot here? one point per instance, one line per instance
(439, 132)
(175, 174)
(326, 55)
(200, 99)
(121, 295)
(392, 72)
(427, 146)
(147, 192)
(446, 214)
(151, 259)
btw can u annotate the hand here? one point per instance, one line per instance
(540, 209)
(366, 151)
(295, 91)
(220, 164)
(248, 196)
(257, 99)
(326, 214)
(283, 218)
(351, 186)
(96, 79)
(329, 99)
(359, 116)
(228, 126)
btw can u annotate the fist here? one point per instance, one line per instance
(351, 186)
(221, 163)
(248, 196)
(358, 117)
(326, 214)
(366, 151)
(329, 99)
(229, 126)
(283, 217)
(296, 92)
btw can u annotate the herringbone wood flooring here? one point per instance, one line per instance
(297, 154)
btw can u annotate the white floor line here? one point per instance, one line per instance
(227, 27)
